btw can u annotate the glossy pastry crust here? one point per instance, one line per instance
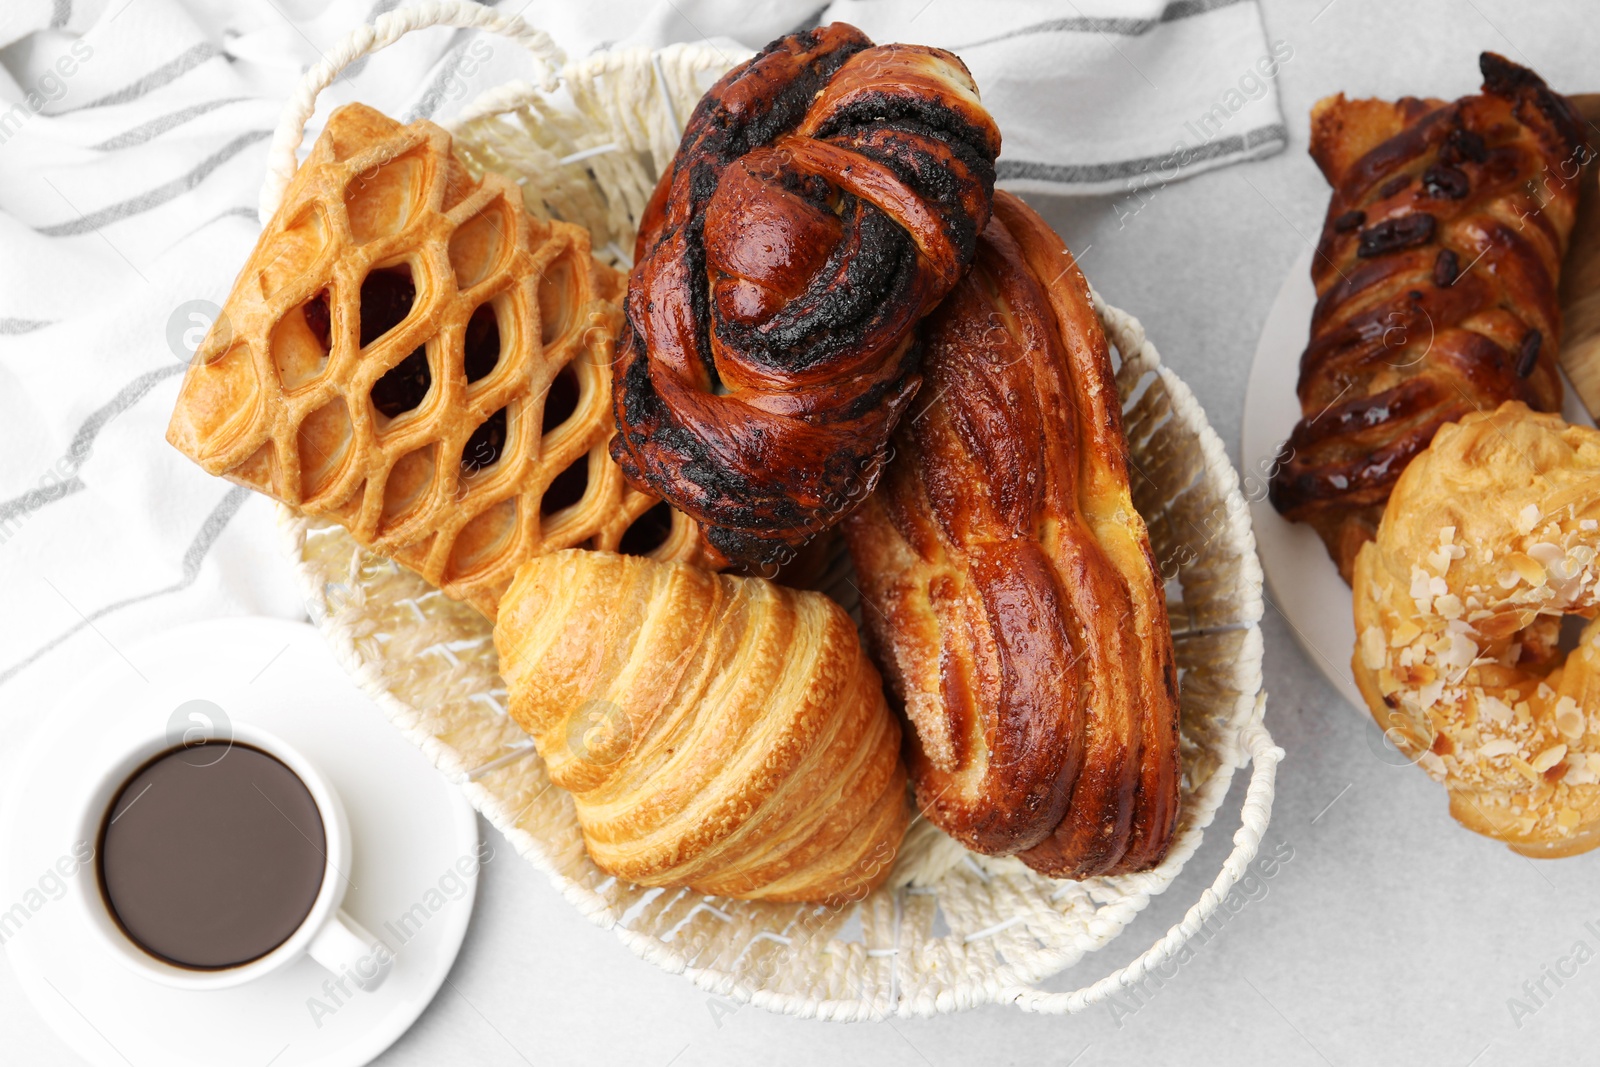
(826, 196)
(721, 733)
(1436, 277)
(1491, 536)
(409, 353)
(1007, 580)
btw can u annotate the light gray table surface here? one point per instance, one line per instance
(1390, 935)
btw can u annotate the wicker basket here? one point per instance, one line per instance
(951, 929)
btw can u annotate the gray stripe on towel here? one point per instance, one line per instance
(33, 500)
(1122, 27)
(381, 7)
(1086, 173)
(210, 530)
(448, 65)
(156, 127)
(83, 442)
(154, 198)
(167, 72)
(433, 96)
(12, 327)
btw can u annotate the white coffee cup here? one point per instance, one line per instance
(327, 934)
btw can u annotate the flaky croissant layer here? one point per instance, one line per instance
(721, 733)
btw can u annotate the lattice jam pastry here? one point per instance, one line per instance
(410, 353)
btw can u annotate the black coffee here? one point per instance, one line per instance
(212, 856)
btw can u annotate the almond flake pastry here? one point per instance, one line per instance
(1491, 536)
(411, 354)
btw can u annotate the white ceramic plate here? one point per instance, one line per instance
(1302, 582)
(409, 826)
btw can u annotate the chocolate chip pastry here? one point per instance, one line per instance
(1436, 276)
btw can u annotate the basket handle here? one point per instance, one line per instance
(1257, 810)
(376, 36)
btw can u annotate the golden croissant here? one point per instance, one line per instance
(1490, 537)
(720, 733)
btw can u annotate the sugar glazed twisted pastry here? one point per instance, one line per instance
(1008, 583)
(721, 733)
(826, 196)
(1436, 280)
(1490, 536)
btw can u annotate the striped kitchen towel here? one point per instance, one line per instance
(133, 136)
(1105, 96)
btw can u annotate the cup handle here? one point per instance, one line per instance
(344, 946)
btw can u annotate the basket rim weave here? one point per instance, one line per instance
(1253, 744)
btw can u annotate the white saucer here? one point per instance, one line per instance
(1302, 581)
(410, 828)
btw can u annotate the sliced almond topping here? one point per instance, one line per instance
(1546, 553)
(1524, 769)
(1548, 758)
(1528, 569)
(1373, 654)
(1567, 819)
(1579, 773)
(1448, 605)
(1419, 584)
(1457, 655)
(1569, 720)
(1527, 519)
(1500, 746)
(1495, 710)
(1404, 633)
(1421, 674)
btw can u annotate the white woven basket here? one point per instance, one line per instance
(587, 144)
